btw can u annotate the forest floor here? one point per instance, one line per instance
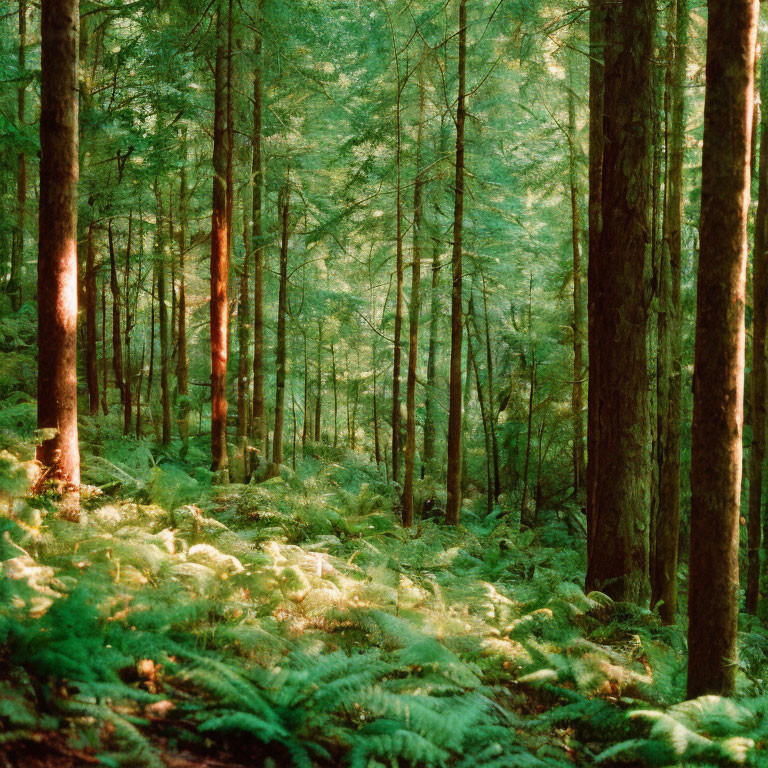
(294, 622)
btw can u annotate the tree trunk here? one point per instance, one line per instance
(618, 552)
(524, 519)
(127, 392)
(413, 322)
(492, 412)
(104, 359)
(17, 250)
(277, 442)
(305, 425)
(318, 383)
(165, 394)
(453, 485)
(577, 398)
(667, 529)
(58, 453)
(91, 369)
(219, 262)
(596, 147)
(182, 364)
(484, 415)
(243, 342)
(430, 431)
(719, 357)
(259, 430)
(335, 398)
(117, 338)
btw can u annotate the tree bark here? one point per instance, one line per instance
(492, 411)
(577, 397)
(596, 147)
(182, 364)
(219, 262)
(430, 430)
(318, 383)
(277, 440)
(127, 391)
(117, 338)
(243, 341)
(58, 453)
(104, 359)
(453, 485)
(17, 248)
(618, 551)
(667, 528)
(719, 356)
(91, 365)
(259, 430)
(162, 310)
(413, 322)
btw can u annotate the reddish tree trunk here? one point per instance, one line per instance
(58, 452)
(718, 376)
(219, 262)
(453, 506)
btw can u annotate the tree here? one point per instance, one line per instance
(618, 502)
(665, 531)
(453, 506)
(58, 451)
(413, 322)
(719, 351)
(219, 260)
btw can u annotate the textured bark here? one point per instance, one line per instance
(666, 530)
(282, 301)
(58, 453)
(413, 323)
(430, 430)
(619, 512)
(719, 357)
(17, 248)
(596, 147)
(219, 262)
(182, 364)
(453, 485)
(91, 365)
(577, 396)
(259, 427)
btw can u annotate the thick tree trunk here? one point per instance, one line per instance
(282, 308)
(17, 249)
(453, 485)
(667, 528)
(413, 323)
(219, 262)
(596, 147)
(719, 358)
(91, 365)
(577, 397)
(182, 364)
(58, 452)
(619, 516)
(259, 428)
(430, 430)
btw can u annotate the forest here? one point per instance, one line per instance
(383, 383)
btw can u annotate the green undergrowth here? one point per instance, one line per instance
(294, 622)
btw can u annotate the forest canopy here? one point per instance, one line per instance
(383, 383)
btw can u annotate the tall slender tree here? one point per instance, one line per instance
(219, 258)
(718, 376)
(58, 451)
(17, 250)
(453, 506)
